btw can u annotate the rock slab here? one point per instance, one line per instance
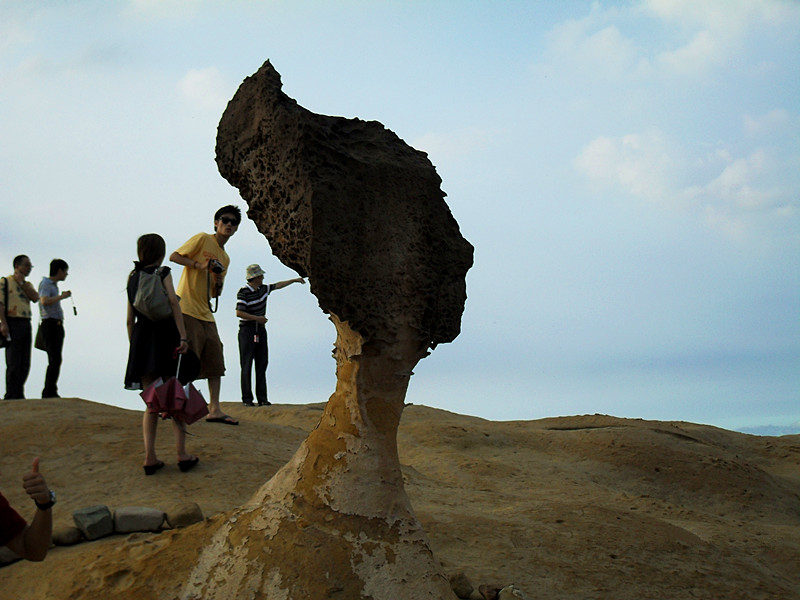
(94, 522)
(184, 514)
(129, 519)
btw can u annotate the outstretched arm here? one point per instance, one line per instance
(282, 284)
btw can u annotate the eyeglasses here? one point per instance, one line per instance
(229, 221)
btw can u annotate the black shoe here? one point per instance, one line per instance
(151, 469)
(248, 402)
(265, 403)
(188, 465)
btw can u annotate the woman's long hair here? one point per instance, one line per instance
(151, 249)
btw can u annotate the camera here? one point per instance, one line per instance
(215, 266)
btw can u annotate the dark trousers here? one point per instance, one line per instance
(53, 334)
(253, 350)
(18, 357)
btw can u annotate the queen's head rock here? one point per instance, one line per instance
(349, 204)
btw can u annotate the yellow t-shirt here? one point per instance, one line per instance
(19, 305)
(196, 286)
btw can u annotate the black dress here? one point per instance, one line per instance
(153, 343)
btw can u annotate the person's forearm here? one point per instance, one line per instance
(30, 292)
(177, 316)
(37, 536)
(278, 285)
(247, 316)
(48, 300)
(185, 261)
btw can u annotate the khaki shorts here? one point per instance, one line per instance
(205, 343)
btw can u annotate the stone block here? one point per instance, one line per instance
(460, 584)
(184, 514)
(94, 522)
(67, 536)
(129, 519)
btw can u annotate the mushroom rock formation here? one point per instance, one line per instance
(349, 205)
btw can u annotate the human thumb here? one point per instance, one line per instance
(36, 465)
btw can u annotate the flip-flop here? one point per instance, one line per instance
(226, 420)
(151, 469)
(188, 464)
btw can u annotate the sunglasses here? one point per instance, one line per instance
(229, 221)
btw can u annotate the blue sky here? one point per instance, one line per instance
(628, 172)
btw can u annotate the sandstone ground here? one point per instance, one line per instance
(566, 508)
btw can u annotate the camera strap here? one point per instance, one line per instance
(208, 294)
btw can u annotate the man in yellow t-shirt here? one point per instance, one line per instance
(205, 264)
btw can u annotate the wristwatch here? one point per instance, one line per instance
(48, 504)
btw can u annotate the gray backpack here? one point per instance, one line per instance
(151, 298)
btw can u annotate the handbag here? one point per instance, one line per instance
(39, 342)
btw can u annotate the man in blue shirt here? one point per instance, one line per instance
(52, 326)
(251, 308)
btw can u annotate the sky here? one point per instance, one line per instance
(628, 173)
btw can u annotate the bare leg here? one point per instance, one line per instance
(180, 440)
(149, 425)
(214, 384)
(214, 409)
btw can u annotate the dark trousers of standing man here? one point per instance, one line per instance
(18, 357)
(253, 350)
(53, 335)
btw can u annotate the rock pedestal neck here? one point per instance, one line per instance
(349, 205)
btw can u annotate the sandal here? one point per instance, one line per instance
(151, 469)
(188, 464)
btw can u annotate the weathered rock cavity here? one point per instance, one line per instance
(348, 204)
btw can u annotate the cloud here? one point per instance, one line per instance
(641, 164)
(722, 15)
(735, 184)
(205, 89)
(774, 121)
(721, 29)
(599, 52)
(704, 51)
(683, 38)
(731, 194)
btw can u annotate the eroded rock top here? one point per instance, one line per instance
(349, 204)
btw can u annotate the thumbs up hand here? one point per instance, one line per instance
(35, 485)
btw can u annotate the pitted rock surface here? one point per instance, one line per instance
(348, 204)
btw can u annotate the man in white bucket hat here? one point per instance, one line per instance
(251, 308)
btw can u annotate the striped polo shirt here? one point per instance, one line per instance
(253, 301)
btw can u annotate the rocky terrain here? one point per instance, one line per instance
(565, 508)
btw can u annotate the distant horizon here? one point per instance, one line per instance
(776, 430)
